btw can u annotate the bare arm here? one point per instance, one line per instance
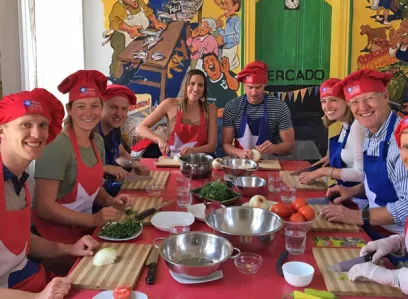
(143, 129)
(47, 207)
(42, 248)
(124, 158)
(211, 145)
(288, 142)
(227, 138)
(103, 198)
(16, 294)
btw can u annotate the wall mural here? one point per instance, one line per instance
(380, 41)
(154, 43)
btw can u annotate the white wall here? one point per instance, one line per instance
(97, 57)
(9, 47)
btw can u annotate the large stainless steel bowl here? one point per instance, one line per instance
(249, 229)
(196, 166)
(237, 167)
(195, 255)
(250, 185)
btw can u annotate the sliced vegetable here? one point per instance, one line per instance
(121, 230)
(122, 292)
(105, 256)
(321, 294)
(300, 295)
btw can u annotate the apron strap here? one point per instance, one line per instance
(2, 194)
(390, 131)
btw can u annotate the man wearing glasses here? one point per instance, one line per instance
(386, 180)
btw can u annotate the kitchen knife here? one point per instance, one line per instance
(152, 264)
(347, 265)
(307, 169)
(282, 258)
(151, 211)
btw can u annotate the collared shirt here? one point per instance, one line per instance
(18, 184)
(231, 33)
(14, 192)
(397, 172)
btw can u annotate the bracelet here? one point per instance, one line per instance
(331, 172)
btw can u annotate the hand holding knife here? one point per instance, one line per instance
(348, 264)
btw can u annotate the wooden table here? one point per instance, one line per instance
(266, 283)
(171, 36)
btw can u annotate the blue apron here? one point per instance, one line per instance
(111, 154)
(402, 55)
(378, 187)
(253, 133)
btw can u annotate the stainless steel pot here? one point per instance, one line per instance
(195, 255)
(249, 229)
(196, 166)
(250, 185)
(237, 167)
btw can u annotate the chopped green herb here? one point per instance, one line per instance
(217, 191)
(121, 230)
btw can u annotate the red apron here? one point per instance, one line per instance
(16, 271)
(80, 199)
(185, 135)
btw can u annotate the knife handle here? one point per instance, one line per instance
(280, 262)
(146, 213)
(151, 274)
(368, 257)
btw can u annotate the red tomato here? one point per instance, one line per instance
(297, 218)
(307, 212)
(299, 202)
(280, 209)
(122, 292)
(290, 208)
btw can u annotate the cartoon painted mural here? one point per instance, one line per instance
(154, 43)
(380, 41)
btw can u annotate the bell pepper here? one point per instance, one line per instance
(122, 292)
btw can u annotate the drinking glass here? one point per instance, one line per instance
(176, 229)
(295, 239)
(183, 192)
(274, 183)
(288, 194)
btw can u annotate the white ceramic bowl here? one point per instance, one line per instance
(298, 274)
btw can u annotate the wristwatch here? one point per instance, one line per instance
(366, 216)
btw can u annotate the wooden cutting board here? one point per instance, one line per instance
(321, 224)
(165, 161)
(269, 165)
(144, 203)
(329, 256)
(159, 179)
(129, 264)
(293, 181)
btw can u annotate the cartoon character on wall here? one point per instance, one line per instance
(399, 42)
(372, 34)
(127, 19)
(174, 64)
(221, 86)
(202, 40)
(230, 34)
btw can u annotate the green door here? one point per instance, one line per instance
(295, 44)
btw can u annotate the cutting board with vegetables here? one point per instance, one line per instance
(165, 161)
(159, 179)
(126, 269)
(269, 165)
(142, 204)
(293, 181)
(321, 224)
(338, 283)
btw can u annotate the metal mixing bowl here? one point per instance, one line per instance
(250, 185)
(195, 255)
(249, 229)
(196, 166)
(237, 167)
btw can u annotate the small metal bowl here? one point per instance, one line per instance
(248, 262)
(250, 185)
(154, 190)
(249, 229)
(237, 167)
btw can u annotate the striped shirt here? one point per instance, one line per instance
(279, 118)
(397, 172)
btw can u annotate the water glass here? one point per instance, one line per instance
(288, 194)
(295, 240)
(274, 183)
(176, 229)
(183, 192)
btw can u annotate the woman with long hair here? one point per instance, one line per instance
(192, 122)
(345, 149)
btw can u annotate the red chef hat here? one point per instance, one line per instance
(83, 84)
(36, 101)
(361, 82)
(253, 73)
(402, 126)
(326, 89)
(115, 90)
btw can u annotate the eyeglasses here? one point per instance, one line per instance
(368, 100)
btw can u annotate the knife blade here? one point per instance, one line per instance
(152, 264)
(307, 169)
(151, 211)
(344, 266)
(136, 178)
